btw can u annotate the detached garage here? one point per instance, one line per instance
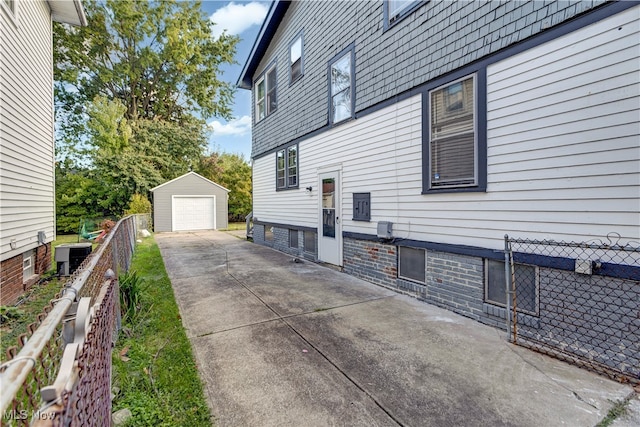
(190, 202)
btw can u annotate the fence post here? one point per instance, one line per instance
(507, 276)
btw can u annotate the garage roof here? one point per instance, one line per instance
(187, 174)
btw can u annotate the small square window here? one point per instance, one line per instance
(361, 206)
(310, 242)
(293, 239)
(526, 278)
(411, 264)
(28, 269)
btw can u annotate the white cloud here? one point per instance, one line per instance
(239, 126)
(235, 18)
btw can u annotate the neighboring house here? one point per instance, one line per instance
(456, 122)
(27, 193)
(190, 202)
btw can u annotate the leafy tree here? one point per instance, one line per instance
(158, 58)
(78, 197)
(133, 90)
(234, 173)
(134, 158)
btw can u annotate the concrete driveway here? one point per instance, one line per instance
(280, 343)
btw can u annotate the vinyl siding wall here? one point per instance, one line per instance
(563, 152)
(437, 38)
(188, 185)
(26, 128)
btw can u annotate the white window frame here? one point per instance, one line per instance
(28, 265)
(475, 183)
(263, 102)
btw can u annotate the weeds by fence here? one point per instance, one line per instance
(579, 302)
(83, 314)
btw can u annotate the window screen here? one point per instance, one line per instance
(310, 242)
(526, 285)
(411, 264)
(293, 239)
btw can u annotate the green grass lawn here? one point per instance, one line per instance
(154, 371)
(235, 226)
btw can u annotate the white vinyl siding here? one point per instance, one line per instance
(26, 119)
(562, 153)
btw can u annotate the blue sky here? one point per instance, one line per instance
(244, 19)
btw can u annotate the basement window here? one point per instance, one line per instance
(412, 264)
(526, 278)
(28, 264)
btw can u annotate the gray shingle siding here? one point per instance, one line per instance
(438, 37)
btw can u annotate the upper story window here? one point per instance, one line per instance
(265, 94)
(395, 10)
(342, 86)
(287, 168)
(453, 148)
(296, 55)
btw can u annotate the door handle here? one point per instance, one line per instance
(337, 220)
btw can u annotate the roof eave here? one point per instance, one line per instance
(267, 31)
(68, 12)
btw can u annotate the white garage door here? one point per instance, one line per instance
(194, 213)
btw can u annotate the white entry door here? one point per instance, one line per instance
(194, 213)
(330, 221)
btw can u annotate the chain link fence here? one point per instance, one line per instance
(83, 393)
(579, 302)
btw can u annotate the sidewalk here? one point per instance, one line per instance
(281, 343)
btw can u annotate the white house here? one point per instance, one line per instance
(27, 196)
(450, 124)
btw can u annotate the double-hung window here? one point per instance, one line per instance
(287, 168)
(453, 147)
(342, 86)
(296, 65)
(265, 94)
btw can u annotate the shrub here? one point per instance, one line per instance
(139, 204)
(131, 288)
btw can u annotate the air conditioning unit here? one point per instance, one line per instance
(69, 256)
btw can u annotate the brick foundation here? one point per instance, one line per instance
(12, 285)
(278, 238)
